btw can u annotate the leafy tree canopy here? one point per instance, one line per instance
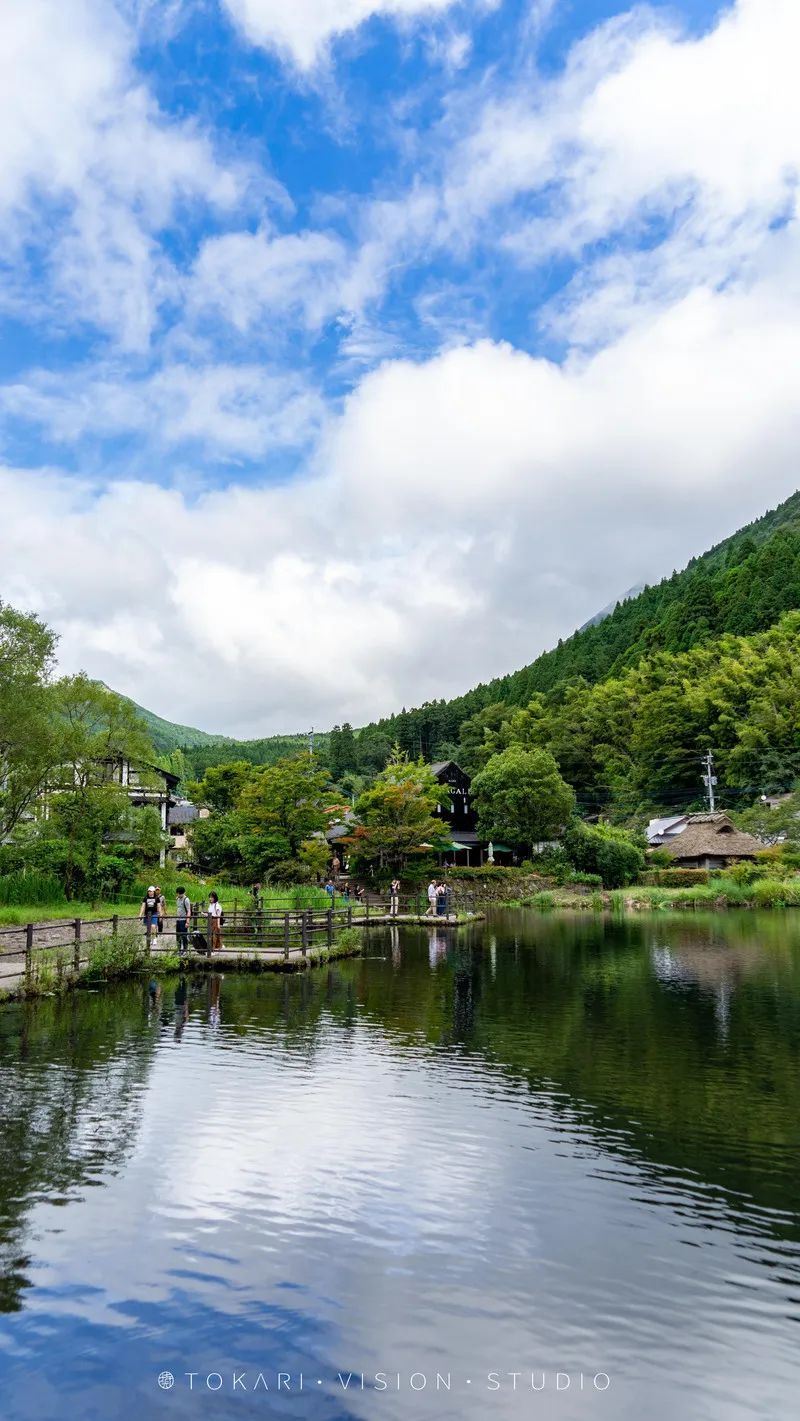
(396, 819)
(521, 797)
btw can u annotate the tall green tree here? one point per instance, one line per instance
(397, 825)
(521, 797)
(778, 824)
(27, 650)
(282, 806)
(221, 786)
(94, 731)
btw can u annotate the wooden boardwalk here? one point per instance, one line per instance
(287, 936)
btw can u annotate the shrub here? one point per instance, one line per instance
(111, 957)
(584, 880)
(349, 939)
(543, 901)
(555, 864)
(745, 872)
(490, 870)
(614, 854)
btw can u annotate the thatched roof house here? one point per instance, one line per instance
(711, 841)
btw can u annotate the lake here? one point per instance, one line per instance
(543, 1166)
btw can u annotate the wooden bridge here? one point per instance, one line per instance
(291, 934)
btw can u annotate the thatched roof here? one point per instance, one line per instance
(712, 836)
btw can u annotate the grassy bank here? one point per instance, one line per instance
(232, 896)
(722, 893)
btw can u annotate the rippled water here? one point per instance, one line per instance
(540, 1146)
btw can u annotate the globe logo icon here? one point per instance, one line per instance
(166, 1380)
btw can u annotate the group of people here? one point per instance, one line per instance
(438, 899)
(345, 890)
(154, 910)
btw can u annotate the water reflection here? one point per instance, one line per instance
(534, 1144)
(181, 1007)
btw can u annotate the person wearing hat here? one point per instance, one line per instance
(149, 911)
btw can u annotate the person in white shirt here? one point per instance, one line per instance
(431, 899)
(215, 920)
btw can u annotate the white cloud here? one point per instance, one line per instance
(303, 29)
(462, 514)
(244, 277)
(228, 410)
(459, 513)
(691, 143)
(90, 169)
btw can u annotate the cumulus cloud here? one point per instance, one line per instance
(225, 409)
(303, 30)
(461, 514)
(91, 170)
(451, 516)
(684, 150)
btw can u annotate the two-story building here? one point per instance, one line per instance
(466, 850)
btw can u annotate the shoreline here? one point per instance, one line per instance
(132, 961)
(662, 900)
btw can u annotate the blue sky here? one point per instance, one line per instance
(358, 350)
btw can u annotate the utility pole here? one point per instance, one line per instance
(709, 779)
(311, 742)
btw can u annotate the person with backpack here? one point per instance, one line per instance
(216, 918)
(183, 915)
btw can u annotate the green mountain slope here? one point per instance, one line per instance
(168, 735)
(741, 586)
(202, 748)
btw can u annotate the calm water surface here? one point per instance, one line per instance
(540, 1146)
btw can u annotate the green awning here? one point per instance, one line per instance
(458, 848)
(501, 849)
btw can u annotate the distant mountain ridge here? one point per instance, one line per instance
(205, 748)
(169, 735)
(612, 606)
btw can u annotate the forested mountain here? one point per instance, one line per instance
(202, 748)
(741, 586)
(168, 735)
(266, 751)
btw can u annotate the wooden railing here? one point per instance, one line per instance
(271, 931)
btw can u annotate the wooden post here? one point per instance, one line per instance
(366, 904)
(115, 925)
(349, 916)
(76, 951)
(304, 932)
(29, 950)
(286, 931)
(330, 927)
